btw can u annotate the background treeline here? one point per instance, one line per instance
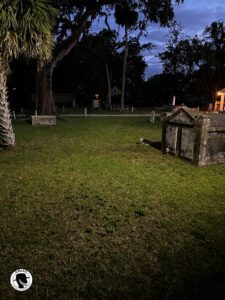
(193, 70)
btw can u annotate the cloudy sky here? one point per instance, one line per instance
(193, 15)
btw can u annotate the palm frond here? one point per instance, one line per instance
(26, 28)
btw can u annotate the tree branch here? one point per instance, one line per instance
(71, 42)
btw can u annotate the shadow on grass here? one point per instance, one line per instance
(192, 272)
(154, 144)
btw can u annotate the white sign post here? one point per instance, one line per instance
(174, 100)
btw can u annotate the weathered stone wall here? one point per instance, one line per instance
(201, 144)
(187, 142)
(215, 151)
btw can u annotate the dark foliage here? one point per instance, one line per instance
(197, 64)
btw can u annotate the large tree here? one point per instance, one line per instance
(74, 18)
(83, 71)
(126, 16)
(198, 62)
(25, 29)
(211, 58)
(91, 67)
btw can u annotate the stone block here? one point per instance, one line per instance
(43, 120)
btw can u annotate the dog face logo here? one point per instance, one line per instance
(21, 280)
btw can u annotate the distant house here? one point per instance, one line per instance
(219, 104)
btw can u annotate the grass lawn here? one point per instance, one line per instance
(93, 215)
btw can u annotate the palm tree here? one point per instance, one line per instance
(127, 17)
(25, 29)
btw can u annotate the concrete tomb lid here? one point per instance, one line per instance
(217, 120)
(193, 117)
(184, 116)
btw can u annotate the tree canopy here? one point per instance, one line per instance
(75, 17)
(26, 28)
(198, 62)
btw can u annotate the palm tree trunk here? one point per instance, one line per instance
(7, 136)
(109, 86)
(124, 68)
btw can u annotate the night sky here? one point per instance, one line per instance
(193, 15)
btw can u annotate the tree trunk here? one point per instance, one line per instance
(44, 94)
(109, 86)
(124, 68)
(7, 135)
(44, 89)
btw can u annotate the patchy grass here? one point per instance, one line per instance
(94, 215)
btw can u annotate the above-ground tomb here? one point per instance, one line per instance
(196, 136)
